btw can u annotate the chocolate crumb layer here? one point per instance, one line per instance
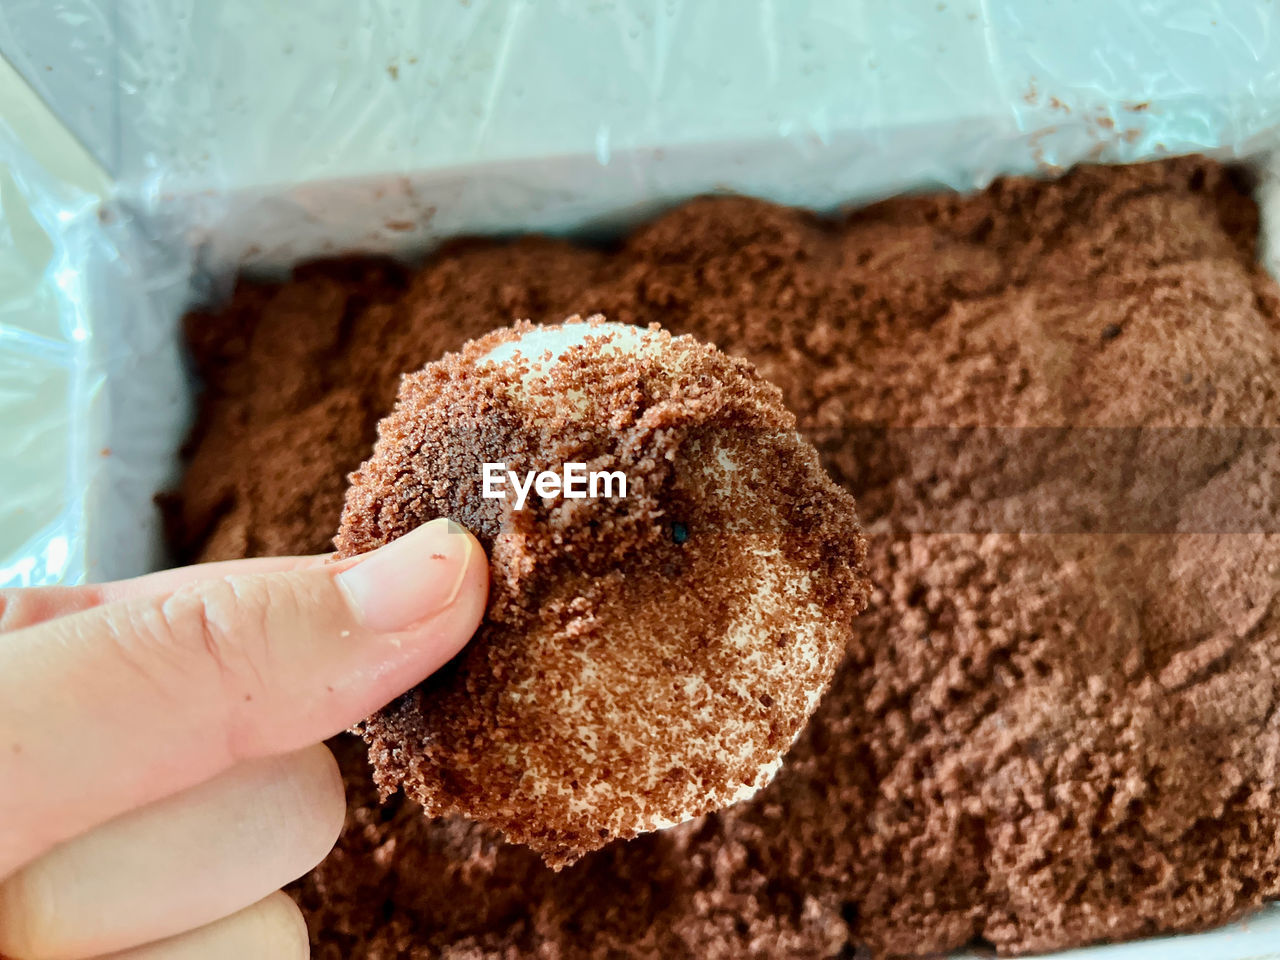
(647, 655)
(1037, 741)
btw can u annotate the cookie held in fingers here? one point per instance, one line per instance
(674, 578)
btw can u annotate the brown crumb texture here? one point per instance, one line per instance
(1037, 740)
(645, 659)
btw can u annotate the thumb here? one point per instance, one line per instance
(105, 710)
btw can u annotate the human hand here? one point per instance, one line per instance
(161, 767)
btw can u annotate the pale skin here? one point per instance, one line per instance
(162, 774)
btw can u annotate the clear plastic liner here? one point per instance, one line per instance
(251, 134)
(93, 395)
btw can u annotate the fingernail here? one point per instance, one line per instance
(410, 579)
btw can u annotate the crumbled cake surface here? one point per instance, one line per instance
(1038, 740)
(645, 658)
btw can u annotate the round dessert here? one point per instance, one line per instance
(674, 579)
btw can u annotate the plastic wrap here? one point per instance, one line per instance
(253, 134)
(93, 396)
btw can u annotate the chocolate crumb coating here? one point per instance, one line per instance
(1037, 741)
(645, 658)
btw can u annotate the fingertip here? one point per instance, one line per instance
(328, 801)
(286, 928)
(416, 578)
(442, 635)
(273, 927)
(473, 589)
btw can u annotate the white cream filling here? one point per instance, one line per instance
(543, 347)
